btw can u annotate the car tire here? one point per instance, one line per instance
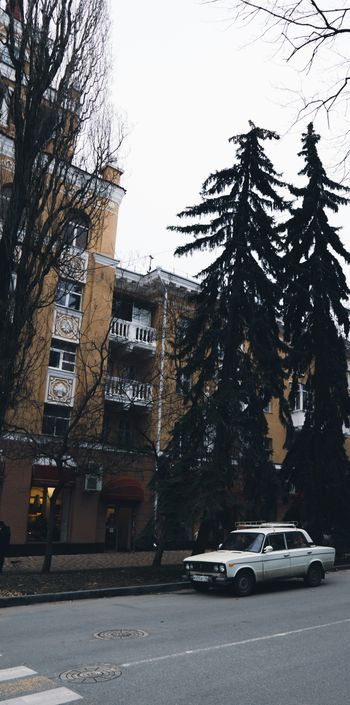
(200, 587)
(314, 576)
(244, 583)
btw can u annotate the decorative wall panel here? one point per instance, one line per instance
(60, 389)
(66, 325)
(74, 265)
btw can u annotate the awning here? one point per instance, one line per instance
(44, 471)
(122, 489)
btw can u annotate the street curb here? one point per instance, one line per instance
(341, 566)
(92, 594)
(107, 592)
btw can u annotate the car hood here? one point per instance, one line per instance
(221, 556)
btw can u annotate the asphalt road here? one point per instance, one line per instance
(285, 645)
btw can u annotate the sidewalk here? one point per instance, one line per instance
(91, 561)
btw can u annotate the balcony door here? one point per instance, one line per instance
(119, 523)
(141, 316)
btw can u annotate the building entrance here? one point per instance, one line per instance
(38, 514)
(120, 521)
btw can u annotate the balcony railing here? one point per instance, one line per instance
(128, 391)
(133, 333)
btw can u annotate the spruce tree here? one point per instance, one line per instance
(232, 346)
(316, 323)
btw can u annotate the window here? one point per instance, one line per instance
(295, 539)
(124, 433)
(300, 401)
(183, 382)
(62, 355)
(268, 446)
(76, 231)
(69, 295)
(55, 420)
(276, 541)
(140, 315)
(243, 541)
(5, 56)
(5, 195)
(4, 104)
(48, 118)
(181, 327)
(209, 438)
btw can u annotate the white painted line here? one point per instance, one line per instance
(230, 645)
(8, 674)
(57, 696)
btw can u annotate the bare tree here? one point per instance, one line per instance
(307, 30)
(54, 149)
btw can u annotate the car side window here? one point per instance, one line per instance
(295, 539)
(276, 541)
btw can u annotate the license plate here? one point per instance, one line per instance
(200, 578)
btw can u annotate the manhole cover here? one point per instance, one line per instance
(92, 674)
(121, 634)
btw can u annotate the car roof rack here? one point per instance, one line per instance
(266, 524)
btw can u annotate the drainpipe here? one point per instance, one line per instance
(161, 387)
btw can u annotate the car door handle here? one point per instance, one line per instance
(309, 552)
(286, 555)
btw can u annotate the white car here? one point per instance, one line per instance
(257, 552)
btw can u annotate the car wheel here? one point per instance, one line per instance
(314, 576)
(244, 583)
(200, 587)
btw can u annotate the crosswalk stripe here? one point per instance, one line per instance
(8, 674)
(57, 696)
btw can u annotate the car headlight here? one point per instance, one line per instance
(187, 566)
(216, 567)
(221, 568)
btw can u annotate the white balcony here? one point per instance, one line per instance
(133, 335)
(128, 392)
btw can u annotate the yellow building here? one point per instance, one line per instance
(95, 405)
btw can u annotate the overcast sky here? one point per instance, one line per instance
(187, 79)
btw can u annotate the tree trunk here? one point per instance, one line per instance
(160, 540)
(157, 560)
(50, 529)
(202, 539)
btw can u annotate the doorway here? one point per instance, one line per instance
(120, 522)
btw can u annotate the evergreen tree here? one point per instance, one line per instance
(316, 324)
(232, 347)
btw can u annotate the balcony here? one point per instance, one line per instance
(132, 334)
(128, 392)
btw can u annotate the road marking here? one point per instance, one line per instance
(8, 674)
(57, 696)
(231, 644)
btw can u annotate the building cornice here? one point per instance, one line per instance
(104, 260)
(157, 277)
(113, 192)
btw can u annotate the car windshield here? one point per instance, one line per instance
(244, 541)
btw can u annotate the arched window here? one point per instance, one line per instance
(77, 231)
(5, 195)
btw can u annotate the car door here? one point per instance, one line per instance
(300, 553)
(276, 562)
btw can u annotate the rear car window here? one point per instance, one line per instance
(295, 539)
